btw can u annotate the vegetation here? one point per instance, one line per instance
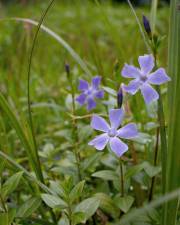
(49, 173)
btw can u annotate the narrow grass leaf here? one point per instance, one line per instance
(173, 179)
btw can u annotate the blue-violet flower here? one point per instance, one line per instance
(111, 133)
(143, 78)
(89, 92)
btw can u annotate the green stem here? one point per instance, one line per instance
(28, 89)
(163, 137)
(155, 163)
(163, 140)
(29, 100)
(121, 177)
(75, 127)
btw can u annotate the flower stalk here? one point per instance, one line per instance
(121, 176)
(74, 122)
(119, 105)
(155, 164)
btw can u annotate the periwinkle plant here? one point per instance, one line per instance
(143, 78)
(90, 92)
(111, 133)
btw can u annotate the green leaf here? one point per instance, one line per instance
(110, 91)
(4, 219)
(78, 217)
(26, 141)
(76, 191)
(58, 189)
(88, 207)
(11, 184)
(11, 215)
(124, 203)
(134, 170)
(151, 170)
(2, 164)
(67, 184)
(30, 206)
(106, 175)
(54, 201)
(91, 161)
(64, 220)
(107, 204)
(173, 156)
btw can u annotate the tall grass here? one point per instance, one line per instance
(174, 106)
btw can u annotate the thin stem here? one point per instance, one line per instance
(139, 24)
(75, 126)
(163, 138)
(29, 100)
(28, 88)
(122, 177)
(155, 163)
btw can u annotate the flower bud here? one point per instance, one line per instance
(120, 97)
(147, 26)
(67, 68)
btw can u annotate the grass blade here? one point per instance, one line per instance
(14, 122)
(154, 5)
(174, 106)
(147, 208)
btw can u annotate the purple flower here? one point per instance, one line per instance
(143, 78)
(89, 92)
(111, 133)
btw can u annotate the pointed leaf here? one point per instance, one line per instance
(106, 175)
(11, 184)
(30, 206)
(57, 188)
(76, 191)
(78, 217)
(54, 201)
(88, 207)
(124, 203)
(107, 204)
(151, 170)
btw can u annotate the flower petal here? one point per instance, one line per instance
(130, 71)
(91, 104)
(117, 146)
(100, 141)
(116, 117)
(96, 82)
(98, 123)
(129, 131)
(146, 63)
(158, 77)
(99, 94)
(133, 86)
(81, 99)
(83, 85)
(149, 93)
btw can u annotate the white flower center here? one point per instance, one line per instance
(90, 92)
(112, 132)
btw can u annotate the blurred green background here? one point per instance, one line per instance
(100, 35)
